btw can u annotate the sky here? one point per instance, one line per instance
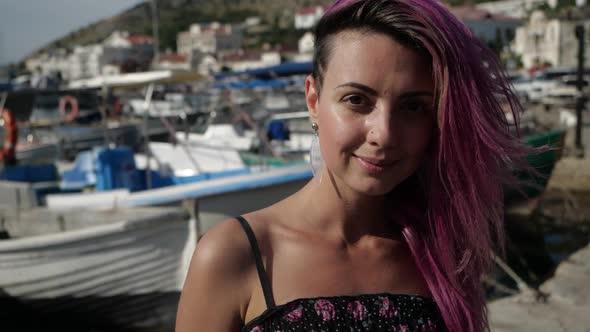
(26, 25)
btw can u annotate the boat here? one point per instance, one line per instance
(533, 185)
(119, 269)
(222, 136)
(218, 196)
(105, 168)
(290, 134)
(113, 260)
(76, 138)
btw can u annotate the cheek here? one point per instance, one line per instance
(339, 132)
(341, 137)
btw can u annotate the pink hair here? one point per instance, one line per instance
(456, 199)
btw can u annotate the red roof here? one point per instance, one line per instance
(222, 29)
(176, 58)
(242, 55)
(140, 39)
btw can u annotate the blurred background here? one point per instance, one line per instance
(128, 128)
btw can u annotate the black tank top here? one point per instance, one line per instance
(359, 313)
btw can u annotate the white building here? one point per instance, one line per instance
(488, 27)
(118, 39)
(244, 60)
(514, 8)
(85, 61)
(209, 38)
(307, 17)
(49, 63)
(551, 41)
(306, 43)
(174, 62)
(120, 52)
(207, 65)
(130, 52)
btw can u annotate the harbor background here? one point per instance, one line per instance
(139, 131)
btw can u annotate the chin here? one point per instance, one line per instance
(375, 187)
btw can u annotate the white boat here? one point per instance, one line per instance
(160, 108)
(169, 164)
(36, 152)
(109, 260)
(223, 136)
(218, 198)
(300, 135)
(182, 160)
(113, 269)
(114, 262)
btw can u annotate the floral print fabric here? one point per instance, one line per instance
(375, 312)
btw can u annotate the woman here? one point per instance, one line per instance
(395, 230)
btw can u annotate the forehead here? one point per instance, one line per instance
(377, 60)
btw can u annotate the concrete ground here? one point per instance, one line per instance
(566, 308)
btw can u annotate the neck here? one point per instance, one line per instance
(340, 213)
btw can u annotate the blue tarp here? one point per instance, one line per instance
(29, 173)
(278, 130)
(82, 175)
(284, 69)
(115, 168)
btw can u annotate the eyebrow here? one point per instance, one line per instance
(359, 86)
(373, 92)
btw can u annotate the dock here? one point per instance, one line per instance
(566, 306)
(562, 303)
(567, 196)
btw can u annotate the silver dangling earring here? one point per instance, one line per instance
(315, 154)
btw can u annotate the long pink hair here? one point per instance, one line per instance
(452, 208)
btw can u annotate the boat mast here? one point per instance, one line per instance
(155, 31)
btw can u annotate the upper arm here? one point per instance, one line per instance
(216, 289)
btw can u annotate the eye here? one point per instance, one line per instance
(415, 106)
(355, 100)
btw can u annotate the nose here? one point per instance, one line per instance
(381, 128)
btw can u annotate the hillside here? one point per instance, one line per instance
(177, 15)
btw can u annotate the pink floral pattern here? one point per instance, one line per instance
(325, 309)
(401, 328)
(357, 310)
(295, 314)
(387, 309)
(362, 313)
(429, 326)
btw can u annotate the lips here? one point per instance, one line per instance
(375, 161)
(374, 165)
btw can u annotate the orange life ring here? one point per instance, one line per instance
(73, 102)
(7, 154)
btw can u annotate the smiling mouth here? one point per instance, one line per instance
(374, 166)
(376, 162)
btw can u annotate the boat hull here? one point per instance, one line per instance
(122, 275)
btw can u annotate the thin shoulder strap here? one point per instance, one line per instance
(264, 282)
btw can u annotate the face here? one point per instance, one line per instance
(375, 112)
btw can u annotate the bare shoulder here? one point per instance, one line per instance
(217, 288)
(225, 247)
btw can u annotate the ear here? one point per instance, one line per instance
(311, 98)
